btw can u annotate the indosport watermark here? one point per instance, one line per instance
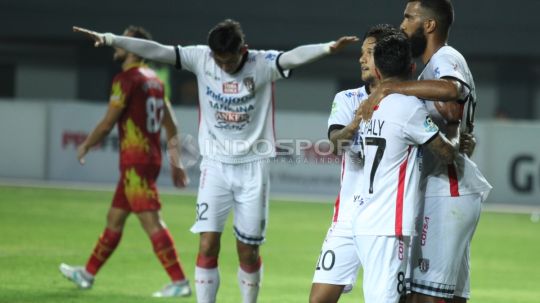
(185, 150)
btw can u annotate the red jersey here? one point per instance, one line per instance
(141, 95)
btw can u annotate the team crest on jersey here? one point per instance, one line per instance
(423, 265)
(230, 88)
(249, 83)
(429, 125)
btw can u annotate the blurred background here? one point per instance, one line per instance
(54, 84)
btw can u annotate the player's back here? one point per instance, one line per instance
(391, 170)
(140, 124)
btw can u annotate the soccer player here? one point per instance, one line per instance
(236, 139)
(138, 107)
(338, 262)
(453, 193)
(388, 193)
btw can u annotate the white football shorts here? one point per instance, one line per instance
(440, 252)
(384, 259)
(244, 188)
(338, 263)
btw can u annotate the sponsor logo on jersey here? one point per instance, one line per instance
(425, 228)
(429, 125)
(249, 83)
(232, 117)
(437, 72)
(423, 265)
(271, 57)
(230, 88)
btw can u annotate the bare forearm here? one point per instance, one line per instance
(436, 90)
(341, 138)
(100, 132)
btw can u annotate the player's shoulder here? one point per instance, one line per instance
(255, 55)
(352, 94)
(447, 52)
(401, 104)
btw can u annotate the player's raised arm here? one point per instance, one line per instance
(308, 53)
(147, 49)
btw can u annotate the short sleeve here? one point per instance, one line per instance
(448, 66)
(190, 57)
(342, 112)
(420, 128)
(270, 63)
(120, 92)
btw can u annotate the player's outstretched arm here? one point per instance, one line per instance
(103, 128)
(308, 53)
(147, 49)
(178, 173)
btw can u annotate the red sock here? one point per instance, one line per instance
(207, 262)
(166, 253)
(104, 248)
(251, 268)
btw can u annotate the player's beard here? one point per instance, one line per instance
(119, 56)
(418, 41)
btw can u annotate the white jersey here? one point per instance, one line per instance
(390, 194)
(464, 177)
(236, 123)
(343, 110)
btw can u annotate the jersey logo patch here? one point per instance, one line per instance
(423, 265)
(249, 83)
(430, 126)
(230, 88)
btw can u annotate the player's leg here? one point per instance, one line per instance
(251, 184)
(214, 202)
(384, 259)
(164, 248)
(206, 269)
(449, 223)
(325, 293)
(250, 271)
(83, 277)
(336, 270)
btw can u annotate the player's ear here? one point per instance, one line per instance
(244, 49)
(413, 67)
(378, 73)
(430, 25)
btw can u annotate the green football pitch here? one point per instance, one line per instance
(40, 228)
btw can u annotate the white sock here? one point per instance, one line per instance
(249, 284)
(206, 284)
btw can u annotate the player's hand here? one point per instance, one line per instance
(99, 38)
(368, 107)
(179, 177)
(82, 150)
(467, 144)
(342, 43)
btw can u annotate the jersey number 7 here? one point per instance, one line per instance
(381, 146)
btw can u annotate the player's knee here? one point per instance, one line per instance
(318, 297)
(209, 244)
(247, 254)
(116, 220)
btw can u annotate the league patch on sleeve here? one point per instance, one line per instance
(117, 95)
(430, 126)
(335, 107)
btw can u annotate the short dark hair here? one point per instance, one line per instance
(442, 10)
(226, 37)
(380, 31)
(139, 32)
(393, 56)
